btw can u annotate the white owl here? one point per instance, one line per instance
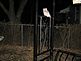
(1, 38)
(46, 12)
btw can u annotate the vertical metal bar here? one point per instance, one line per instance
(50, 35)
(69, 36)
(40, 33)
(53, 11)
(21, 35)
(52, 31)
(51, 41)
(60, 56)
(73, 58)
(56, 56)
(66, 57)
(35, 31)
(22, 39)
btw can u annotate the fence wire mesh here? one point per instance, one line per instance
(17, 44)
(17, 33)
(67, 36)
(18, 40)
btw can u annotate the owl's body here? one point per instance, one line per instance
(46, 12)
(1, 38)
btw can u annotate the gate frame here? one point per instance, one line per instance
(36, 29)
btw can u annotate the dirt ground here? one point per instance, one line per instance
(16, 53)
(20, 53)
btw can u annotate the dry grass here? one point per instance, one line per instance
(16, 53)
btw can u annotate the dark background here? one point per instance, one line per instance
(28, 13)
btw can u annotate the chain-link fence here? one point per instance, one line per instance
(18, 40)
(68, 36)
(17, 34)
(17, 44)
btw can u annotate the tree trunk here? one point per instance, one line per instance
(14, 18)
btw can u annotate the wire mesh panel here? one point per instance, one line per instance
(62, 35)
(44, 33)
(17, 44)
(44, 38)
(68, 37)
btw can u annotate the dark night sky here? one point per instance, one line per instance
(28, 10)
(61, 4)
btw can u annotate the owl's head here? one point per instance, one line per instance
(44, 9)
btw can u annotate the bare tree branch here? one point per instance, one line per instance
(11, 12)
(20, 10)
(5, 10)
(11, 8)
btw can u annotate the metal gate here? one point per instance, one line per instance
(43, 49)
(43, 44)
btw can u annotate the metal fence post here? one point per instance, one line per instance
(21, 35)
(35, 31)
